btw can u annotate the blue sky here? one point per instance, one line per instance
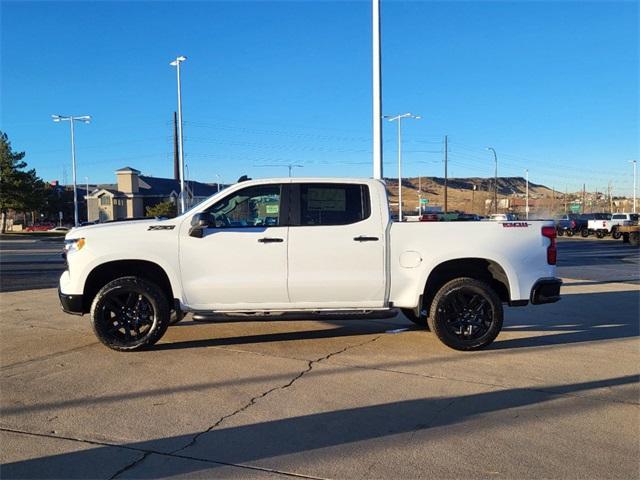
(553, 86)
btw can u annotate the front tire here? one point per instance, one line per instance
(130, 313)
(466, 314)
(560, 232)
(570, 233)
(616, 234)
(584, 232)
(600, 234)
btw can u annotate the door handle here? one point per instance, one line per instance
(270, 240)
(362, 238)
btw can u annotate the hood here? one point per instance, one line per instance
(125, 224)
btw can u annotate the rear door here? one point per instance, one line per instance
(336, 247)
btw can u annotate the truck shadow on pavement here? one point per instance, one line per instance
(245, 445)
(577, 318)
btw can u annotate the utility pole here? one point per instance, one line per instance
(71, 120)
(176, 63)
(566, 194)
(376, 90)
(176, 156)
(584, 196)
(419, 195)
(86, 179)
(446, 174)
(635, 173)
(495, 180)
(610, 199)
(473, 197)
(526, 208)
(398, 118)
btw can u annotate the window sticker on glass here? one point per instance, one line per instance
(326, 199)
(272, 209)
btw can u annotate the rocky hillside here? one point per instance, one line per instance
(461, 193)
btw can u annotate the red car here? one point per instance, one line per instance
(429, 217)
(42, 227)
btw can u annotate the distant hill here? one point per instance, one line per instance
(461, 194)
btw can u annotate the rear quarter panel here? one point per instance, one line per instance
(519, 250)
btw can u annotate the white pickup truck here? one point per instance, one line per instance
(292, 245)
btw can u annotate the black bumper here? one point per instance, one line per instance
(546, 290)
(71, 303)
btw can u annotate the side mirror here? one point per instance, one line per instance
(199, 222)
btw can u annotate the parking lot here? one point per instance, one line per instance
(557, 394)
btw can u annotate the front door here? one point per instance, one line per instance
(240, 263)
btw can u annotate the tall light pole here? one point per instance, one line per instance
(398, 118)
(635, 173)
(71, 119)
(526, 208)
(86, 179)
(495, 181)
(376, 90)
(176, 63)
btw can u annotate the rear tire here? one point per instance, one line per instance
(570, 233)
(420, 320)
(584, 232)
(466, 314)
(634, 239)
(560, 232)
(616, 234)
(600, 234)
(130, 313)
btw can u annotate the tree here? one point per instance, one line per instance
(19, 190)
(243, 178)
(162, 209)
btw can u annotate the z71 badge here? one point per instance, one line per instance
(161, 227)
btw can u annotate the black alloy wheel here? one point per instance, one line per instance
(130, 313)
(466, 314)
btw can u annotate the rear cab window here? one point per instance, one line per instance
(316, 204)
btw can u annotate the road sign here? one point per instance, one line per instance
(575, 208)
(424, 201)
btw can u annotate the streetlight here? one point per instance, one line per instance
(176, 63)
(376, 90)
(635, 172)
(495, 181)
(398, 118)
(71, 119)
(526, 209)
(86, 179)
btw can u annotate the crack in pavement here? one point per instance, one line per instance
(147, 452)
(253, 400)
(131, 465)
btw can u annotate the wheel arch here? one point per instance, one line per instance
(487, 270)
(105, 272)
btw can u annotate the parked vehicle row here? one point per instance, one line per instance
(598, 224)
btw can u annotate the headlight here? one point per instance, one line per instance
(73, 245)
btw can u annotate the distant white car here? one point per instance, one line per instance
(620, 219)
(502, 217)
(58, 229)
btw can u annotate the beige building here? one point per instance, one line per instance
(134, 192)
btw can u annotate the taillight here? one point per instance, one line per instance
(573, 224)
(552, 251)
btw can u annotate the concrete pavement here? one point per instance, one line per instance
(556, 396)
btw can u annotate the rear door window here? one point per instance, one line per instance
(331, 203)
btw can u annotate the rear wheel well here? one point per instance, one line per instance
(103, 274)
(482, 269)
